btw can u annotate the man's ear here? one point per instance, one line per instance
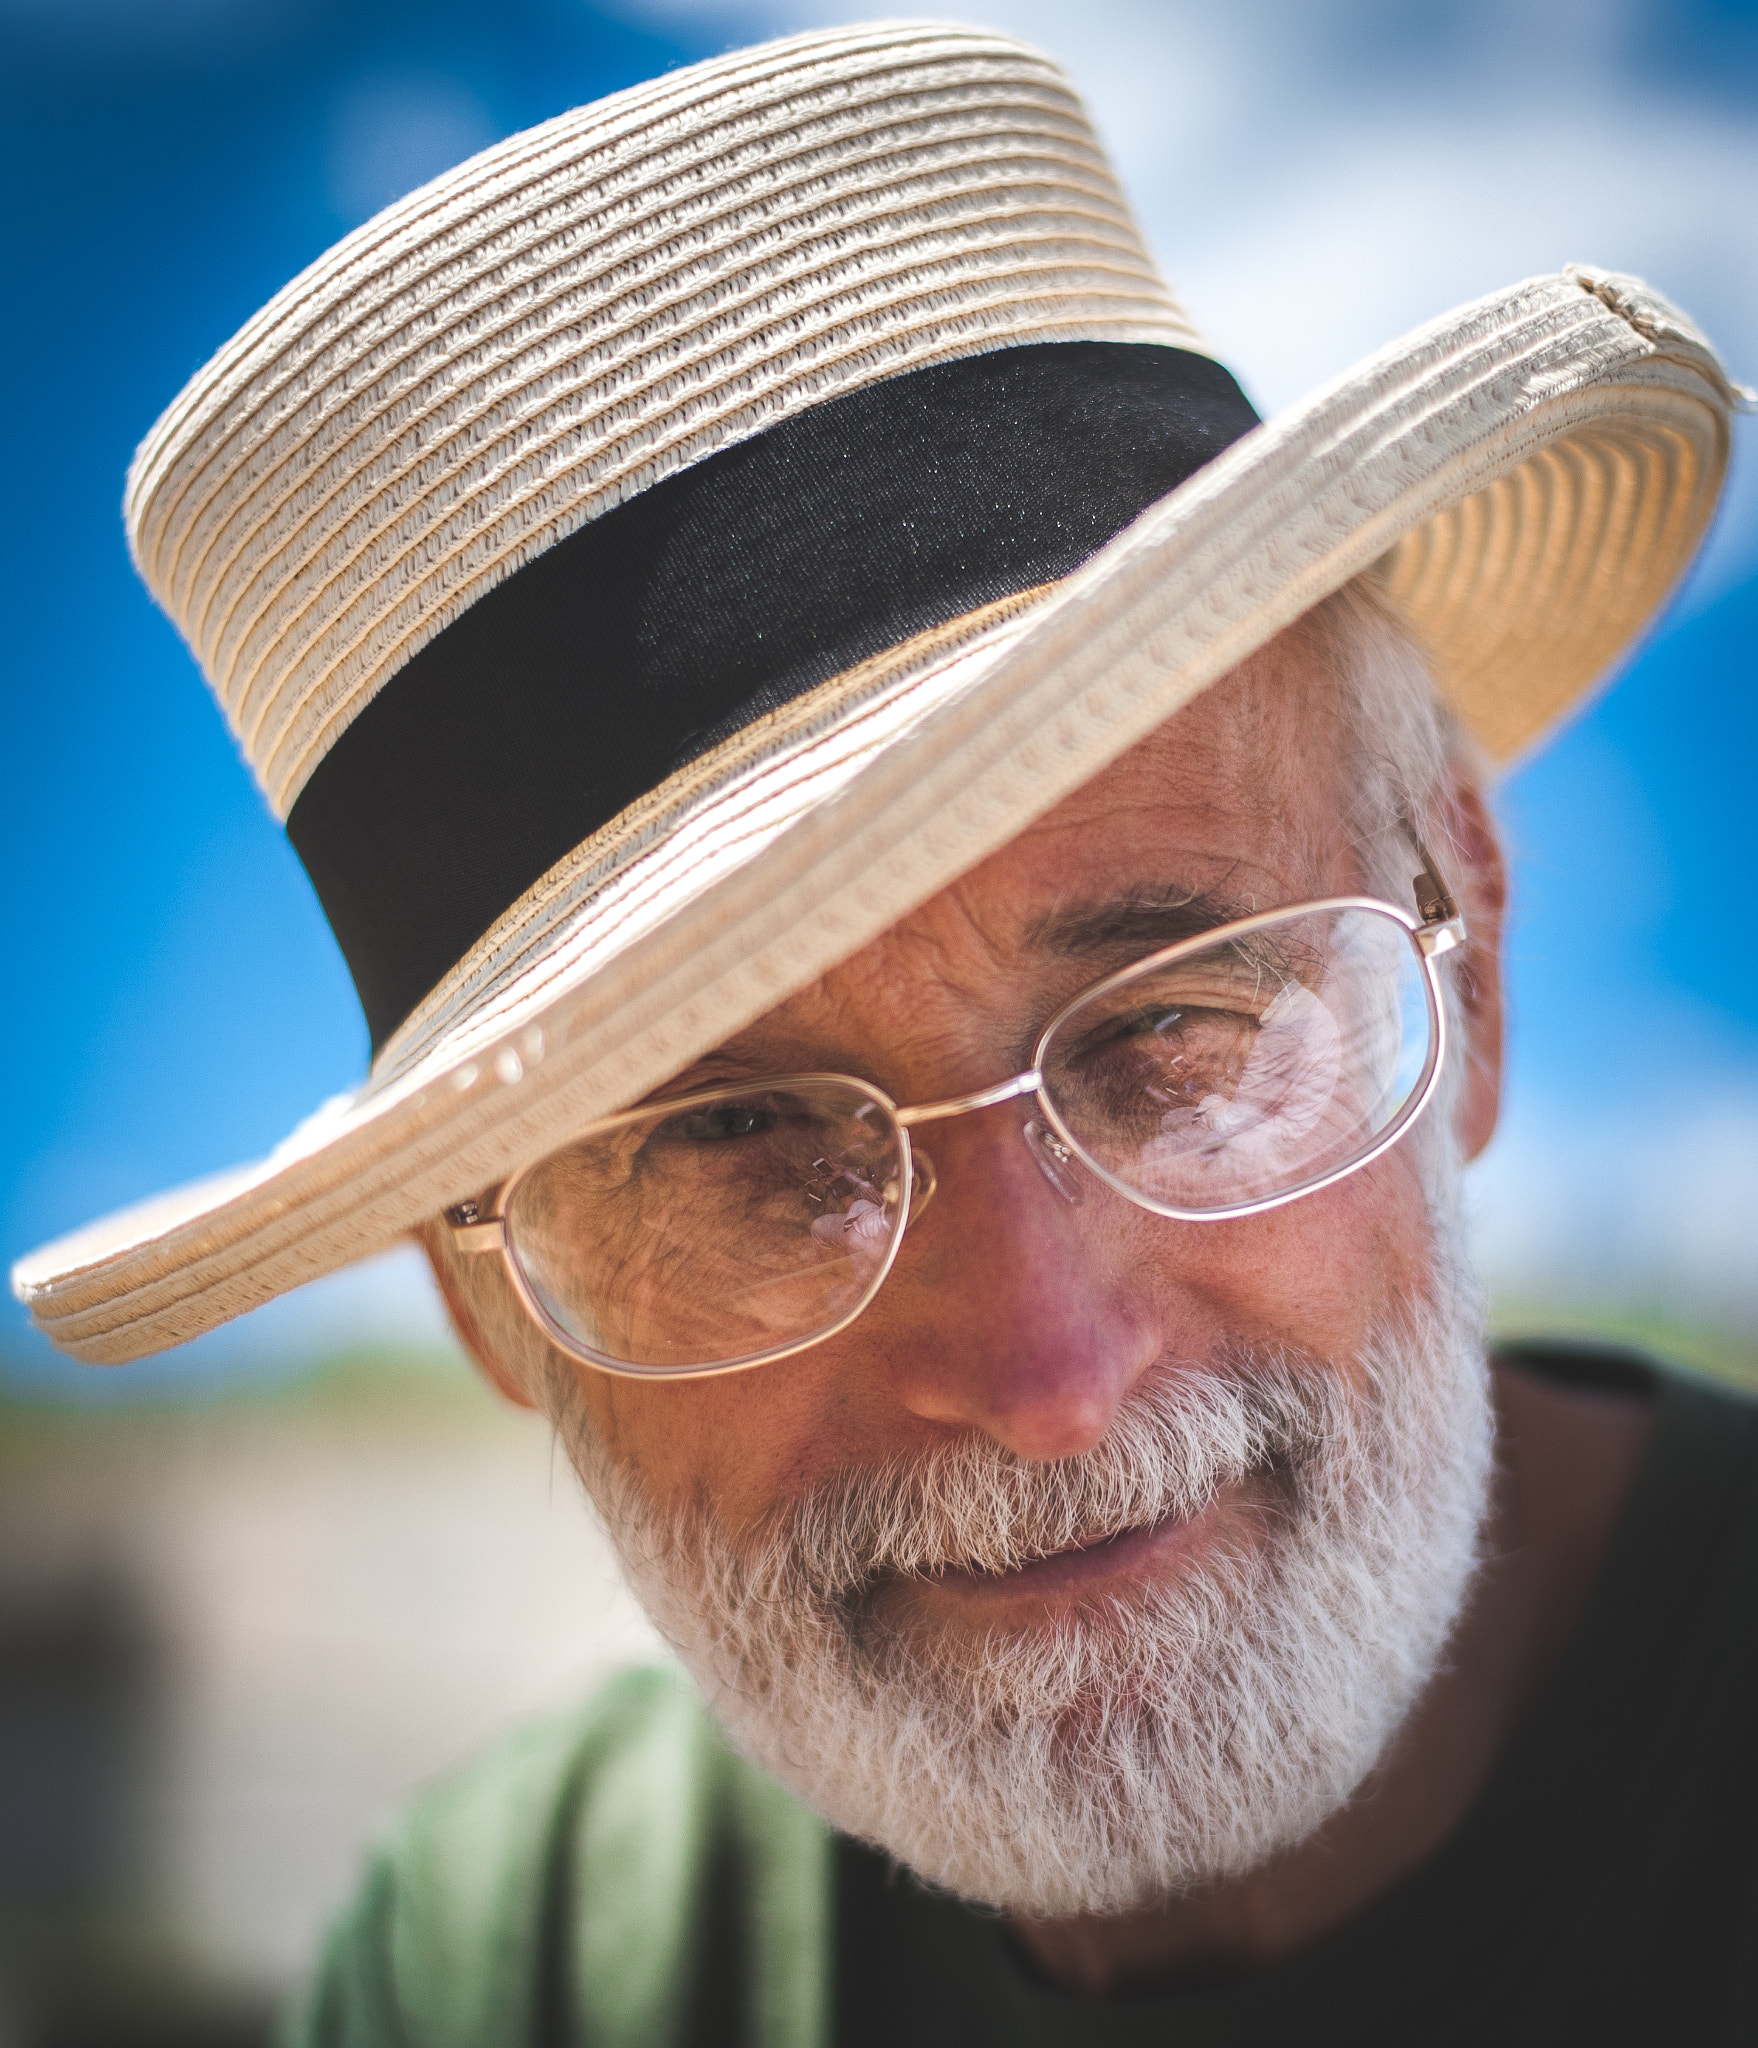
(463, 1319)
(1482, 889)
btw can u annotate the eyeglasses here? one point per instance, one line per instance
(1218, 1077)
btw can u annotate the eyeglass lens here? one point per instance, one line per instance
(1247, 1069)
(717, 1231)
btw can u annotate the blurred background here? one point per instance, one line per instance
(253, 1591)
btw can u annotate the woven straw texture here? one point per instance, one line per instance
(587, 308)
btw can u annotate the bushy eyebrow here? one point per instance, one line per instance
(1133, 923)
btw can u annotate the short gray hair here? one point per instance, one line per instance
(1405, 740)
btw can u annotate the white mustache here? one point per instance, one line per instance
(974, 1506)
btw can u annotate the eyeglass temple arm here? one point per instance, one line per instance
(477, 1224)
(1443, 923)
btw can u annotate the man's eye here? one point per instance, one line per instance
(1149, 1023)
(726, 1120)
(1169, 1024)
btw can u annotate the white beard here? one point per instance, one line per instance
(1134, 1748)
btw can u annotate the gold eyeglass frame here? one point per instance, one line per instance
(1437, 928)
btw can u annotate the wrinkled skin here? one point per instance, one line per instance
(1014, 1314)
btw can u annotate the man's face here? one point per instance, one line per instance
(1020, 1334)
(1009, 1311)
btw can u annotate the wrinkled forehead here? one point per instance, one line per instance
(1238, 803)
(1243, 797)
(1256, 770)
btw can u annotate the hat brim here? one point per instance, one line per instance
(1531, 474)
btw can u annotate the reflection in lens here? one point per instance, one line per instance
(1249, 1068)
(700, 1235)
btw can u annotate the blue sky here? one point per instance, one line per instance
(1316, 178)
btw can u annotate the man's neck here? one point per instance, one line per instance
(1567, 1458)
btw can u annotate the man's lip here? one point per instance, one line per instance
(1086, 1563)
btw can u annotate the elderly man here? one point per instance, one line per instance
(927, 905)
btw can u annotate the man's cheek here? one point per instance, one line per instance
(731, 1447)
(1316, 1275)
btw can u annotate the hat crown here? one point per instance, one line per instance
(591, 306)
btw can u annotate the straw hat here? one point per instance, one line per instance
(647, 561)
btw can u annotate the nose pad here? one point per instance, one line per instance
(1054, 1161)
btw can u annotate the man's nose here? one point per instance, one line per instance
(1007, 1314)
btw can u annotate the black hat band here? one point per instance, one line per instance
(665, 626)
